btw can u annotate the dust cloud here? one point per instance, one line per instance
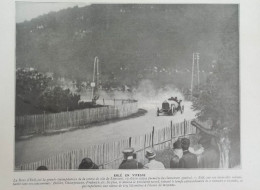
(146, 93)
(148, 96)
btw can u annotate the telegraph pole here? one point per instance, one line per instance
(195, 72)
(94, 83)
(198, 67)
(192, 73)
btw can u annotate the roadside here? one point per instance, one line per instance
(140, 113)
(45, 146)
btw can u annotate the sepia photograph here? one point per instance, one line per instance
(126, 86)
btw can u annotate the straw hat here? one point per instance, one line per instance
(150, 154)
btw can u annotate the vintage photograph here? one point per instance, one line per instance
(126, 86)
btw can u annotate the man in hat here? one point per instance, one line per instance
(188, 159)
(129, 162)
(210, 156)
(87, 163)
(152, 163)
(178, 152)
(42, 168)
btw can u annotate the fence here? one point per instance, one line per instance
(36, 124)
(114, 102)
(109, 155)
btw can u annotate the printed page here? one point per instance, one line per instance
(136, 95)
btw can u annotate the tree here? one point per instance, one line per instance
(35, 93)
(57, 100)
(219, 97)
(30, 85)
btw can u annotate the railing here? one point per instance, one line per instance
(109, 155)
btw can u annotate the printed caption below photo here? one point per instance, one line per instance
(126, 181)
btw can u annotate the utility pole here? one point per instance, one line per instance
(195, 72)
(94, 83)
(192, 73)
(198, 67)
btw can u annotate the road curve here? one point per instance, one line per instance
(43, 147)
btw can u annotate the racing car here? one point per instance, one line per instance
(170, 107)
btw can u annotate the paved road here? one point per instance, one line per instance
(39, 148)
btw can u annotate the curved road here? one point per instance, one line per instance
(39, 148)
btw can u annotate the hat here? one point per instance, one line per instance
(87, 163)
(185, 143)
(128, 151)
(42, 168)
(177, 144)
(150, 154)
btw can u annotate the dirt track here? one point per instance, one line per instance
(39, 148)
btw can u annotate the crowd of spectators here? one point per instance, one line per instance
(184, 156)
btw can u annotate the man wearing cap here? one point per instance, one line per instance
(129, 162)
(152, 163)
(188, 160)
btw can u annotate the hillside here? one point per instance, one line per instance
(133, 42)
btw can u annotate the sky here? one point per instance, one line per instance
(29, 10)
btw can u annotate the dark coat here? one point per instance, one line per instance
(174, 163)
(188, 160)
(131, 164)
(85, 166)
(209, 158)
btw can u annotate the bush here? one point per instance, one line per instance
(35, 94)
(57, 100)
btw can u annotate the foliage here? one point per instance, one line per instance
(219, 96)
(57, 100)
(30, 84)
(35, 93)
(130, 41)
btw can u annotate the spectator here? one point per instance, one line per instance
(87, 163)
(42, 168)
(177, 151)
(188, 160)
(210, 157)
(152, 163)
(179, 106)
(129, 162)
